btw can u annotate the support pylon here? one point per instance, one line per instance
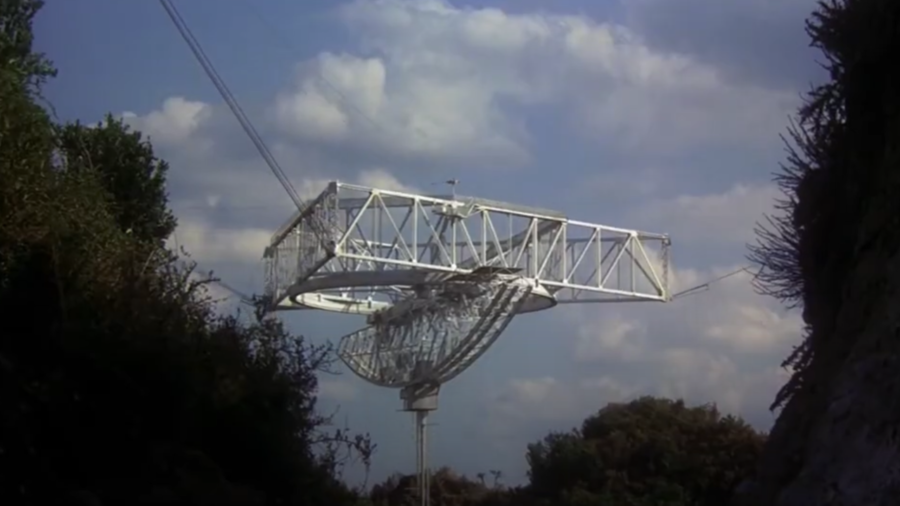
(421, 399)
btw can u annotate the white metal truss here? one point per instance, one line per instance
(351, 230)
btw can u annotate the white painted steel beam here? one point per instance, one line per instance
(350, 228)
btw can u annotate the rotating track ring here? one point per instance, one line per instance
(313, 292)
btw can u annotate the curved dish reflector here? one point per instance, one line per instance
(438, 336)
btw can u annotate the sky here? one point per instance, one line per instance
(661, 115)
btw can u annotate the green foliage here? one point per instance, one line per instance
(832, 251)
(17, 60)
(128, 170)
(649, 451)
(447, 489)
(118, 382)
(835, 160)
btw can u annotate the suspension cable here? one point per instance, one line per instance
(233, 104)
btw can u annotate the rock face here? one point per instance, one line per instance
(837, 440)
(839, 444)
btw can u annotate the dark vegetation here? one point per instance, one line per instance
(835, 253)
(646, 452)
(119, 383)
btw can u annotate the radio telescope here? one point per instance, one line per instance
(440, 277)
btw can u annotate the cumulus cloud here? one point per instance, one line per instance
(722, 347)
(727, 217)
(441, 82)
(174, 123)
(228, 244)
(701, 376)
(384, 180)
(612, 337)
(729, 315)
(430, 84)
(722, 344)
(341, 100)
(547, 400)
(205, 235)
(341, 390)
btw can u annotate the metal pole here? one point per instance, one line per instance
(418, 438)
(422, 477)
(426, 491)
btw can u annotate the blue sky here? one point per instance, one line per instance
(661, 115)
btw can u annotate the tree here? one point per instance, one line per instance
(119, 384)
(648, 451)
(834, 253)
(17, 59)
(128, 170)
(447, 489)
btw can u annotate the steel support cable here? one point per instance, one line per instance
(706, 286)
(235, 107)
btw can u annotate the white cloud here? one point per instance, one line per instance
(314, 109)
(384, 180)
(549, 400)
(173, 124)
(438, 81)
(732, 314)
(338, 389)
(728, 217)
(611, 337)
(729, 313)
(750, 328)
(701, 376)
(212, 244)
(721, 346)
(342, 100)
(228, 208)
(694, 374)
(204, 238)
(432, 83)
